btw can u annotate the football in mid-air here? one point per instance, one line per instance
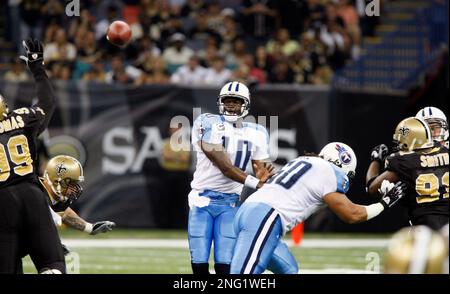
(119, 33)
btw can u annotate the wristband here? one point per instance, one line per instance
(373, 210)
(88, 228)
(251, 182)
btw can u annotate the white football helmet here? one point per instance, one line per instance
(433, 115)
(342, 156)
(236, 90)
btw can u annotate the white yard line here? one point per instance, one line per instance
(183, 243)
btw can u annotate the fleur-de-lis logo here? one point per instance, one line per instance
(61, 169)
(404, 131)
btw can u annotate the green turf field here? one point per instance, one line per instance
(168, 259)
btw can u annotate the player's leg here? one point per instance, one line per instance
(282, 261)
(434, 221)
(44, 243)
(200, 234)
(224, 239)
(259, 229)
(10, 214)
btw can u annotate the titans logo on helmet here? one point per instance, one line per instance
(344, 155)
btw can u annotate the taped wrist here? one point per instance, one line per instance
(251, 182)
(373, 210)
(88, 228)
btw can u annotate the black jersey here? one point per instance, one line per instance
(18, 143)
(57, 206)
(427, 177)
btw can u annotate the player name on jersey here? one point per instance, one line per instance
(434, 160)
(12, 123)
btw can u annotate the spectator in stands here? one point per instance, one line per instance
(61, 70)
(208, 55)
(191, 74)
(237, 56)
(284, 41)
(177, 54)
(52, 12)
(302, 66)
(255, 75)
(351, 20)
(159, 74)
(261, 59)
(242, 74)
(322, 75)
(201, 32)
(229, 31)
(60, 49)
(192, 7)
(292, 13)
(122, 73)
(102, 9)
(217, 74)
(259, 18)
(96, 73)
(281, 73)
(85, 22)
(17, 72)
(214, 17)
(147, 50)
(87, 51)
(315, 12)
(31, 22)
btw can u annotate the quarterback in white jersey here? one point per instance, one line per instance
(225, 146)
(291, 196)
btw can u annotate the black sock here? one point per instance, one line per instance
(200, 268)
(222, 268)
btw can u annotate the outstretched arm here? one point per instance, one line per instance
(35, 61)
(352, 213)
(73, 220)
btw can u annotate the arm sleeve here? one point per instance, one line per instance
(45, 106)
(397, 164)
(336, 181)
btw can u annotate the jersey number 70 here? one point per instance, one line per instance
(289, 175)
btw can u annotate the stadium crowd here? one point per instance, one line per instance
(193, 42)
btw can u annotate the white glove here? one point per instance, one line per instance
(386, 186)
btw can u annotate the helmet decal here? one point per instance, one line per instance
(61, 169)
(404, 130)
(344, 155)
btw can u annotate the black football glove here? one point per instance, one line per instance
(393, 195)
(34, 54)
(102, 227)
(379, 153)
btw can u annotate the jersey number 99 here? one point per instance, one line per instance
(427, 187)
(19, 155)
